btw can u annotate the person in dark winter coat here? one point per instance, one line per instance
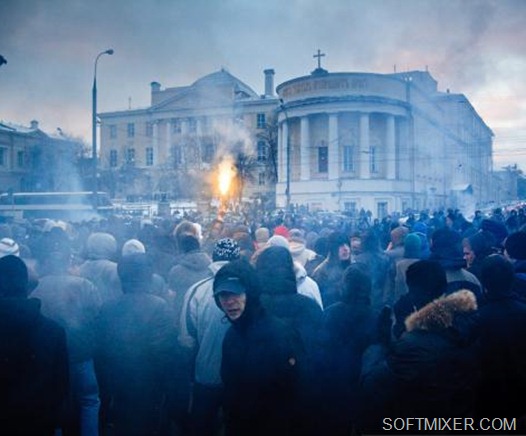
(279, 295)
(74, 303)
(136, 355)
(260, 360)
(431, 371)
(502, 323)
(100, 267)
(33, 358)
(426, 281)
(378, 266)
(328, 274)
(515, 252)
(349, 327)
(477, 247)
(446, 248)
(190, 269)
(280, 298)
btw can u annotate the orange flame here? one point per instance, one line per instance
(226, 173)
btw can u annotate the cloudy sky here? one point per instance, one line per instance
(474, 47)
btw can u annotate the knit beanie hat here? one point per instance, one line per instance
(132, 246)
(262, 235)
(101, 246)
(412, 246)
(8, 246)
(278, 240)
(226, 249)
(281, 230)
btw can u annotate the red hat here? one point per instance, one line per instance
(281, 230)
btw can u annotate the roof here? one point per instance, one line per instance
(221, 78)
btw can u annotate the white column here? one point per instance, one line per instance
(283, 149)
(169, 130)
(334, 147)
(390, 145)
(364, 147)
(155, 141)
(305, 149)
(184, 126)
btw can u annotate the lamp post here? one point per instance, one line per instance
(94, 125)
(287, 189)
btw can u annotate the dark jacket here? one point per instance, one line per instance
(259, 372)
(260, 364)
(429, 372)
(503, 357)
(136, 363)
(33, 369)
(348, 329)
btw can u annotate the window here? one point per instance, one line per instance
(323, 159)
(208, 152)
(192, 125)
(382, 209)
(373, 167)
(131, 130)
(262, 151)
(130, 155)
(113, 158)
(2, 156)
(261, 179)
(176, 126)
(149, 156)
(348, 155)
(20, 159)
(149, 129)
(261, 121)
(350, 206)
(113, 131)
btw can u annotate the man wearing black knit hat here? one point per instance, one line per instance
(202, 330)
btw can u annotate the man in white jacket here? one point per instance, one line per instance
(202, 330)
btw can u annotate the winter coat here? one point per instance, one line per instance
(136, 362)
(203, 327)
(378, 267)
(103, 274)
(519, 285)
(33, 369)
(74, 303)
(431, 371)
(307, 286)
(348, 329)
(259, 371)
(191, 268)
(328, 276)
(300, 253)
(503, 357)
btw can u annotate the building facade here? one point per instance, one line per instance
(344, 141)
(381, 142)
(175, 146)
(33, 160)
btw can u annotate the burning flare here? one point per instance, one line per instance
(226, 173)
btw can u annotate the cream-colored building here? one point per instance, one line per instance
(345, 141)
(382, 142)
(175, 145)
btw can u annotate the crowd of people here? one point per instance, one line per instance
(271, 324)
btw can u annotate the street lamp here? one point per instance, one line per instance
(94, 125)
(287, 189)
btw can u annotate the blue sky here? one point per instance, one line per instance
(474, 47)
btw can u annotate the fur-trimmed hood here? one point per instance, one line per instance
(440, 313)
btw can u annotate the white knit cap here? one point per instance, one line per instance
(133, 246)
(8, 246)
